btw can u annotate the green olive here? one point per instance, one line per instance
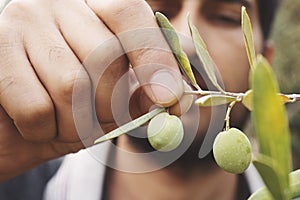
(165, 132)
(232, 151)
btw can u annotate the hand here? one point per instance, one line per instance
(42, 47)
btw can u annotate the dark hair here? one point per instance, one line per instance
(267, 10)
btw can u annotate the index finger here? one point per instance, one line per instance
(154, 64)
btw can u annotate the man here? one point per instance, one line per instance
(43, 46)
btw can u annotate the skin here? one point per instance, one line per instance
(41, 51)
(36, 91)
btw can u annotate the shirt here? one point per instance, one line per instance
(30, 185)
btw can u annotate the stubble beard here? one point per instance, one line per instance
(190, 160)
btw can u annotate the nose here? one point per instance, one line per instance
(180, 23)
(182, 29)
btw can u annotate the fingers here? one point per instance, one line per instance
(99, 51)
(57, 58)
(52, 65)
(59, 70)
(57, 47)
(80, 27)
(21, 94)
(145, 46)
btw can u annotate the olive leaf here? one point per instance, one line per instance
(284, 98)
(173, 41)
(130, 126)
(248, 37)
(203, 55)
(261, 194)
(264, 194)
(247, 99)
(265, 167)
(270, 122)
(214, 100)
(295, 183)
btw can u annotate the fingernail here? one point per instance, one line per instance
(167, 87)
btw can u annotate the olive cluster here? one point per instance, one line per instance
(231, 149)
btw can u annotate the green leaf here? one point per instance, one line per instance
(284, 98)
(203, 55)
(295, 184)
(129, 126)
(264, 194)
(248, 38)
(173, 41)
(214, 100)
(270, 122)
(247, 100)
(261, 194)
(265, 167)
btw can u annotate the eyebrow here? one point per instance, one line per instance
(246, 3)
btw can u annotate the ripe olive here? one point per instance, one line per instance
(232, 151)
(165, 132)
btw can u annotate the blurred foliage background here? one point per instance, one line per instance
(286, 37)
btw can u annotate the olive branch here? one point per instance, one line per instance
(273, 161)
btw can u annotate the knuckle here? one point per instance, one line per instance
(76, 80)
(126, 7)
(130, 4)
(39, 112)
(43, 111)
(67, 83)
(35, 119)
(57, 53)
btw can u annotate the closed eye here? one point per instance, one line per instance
(225, 20)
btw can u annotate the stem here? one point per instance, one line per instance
(130, 125)
(292, 97)
(227, 118)
(206, 92)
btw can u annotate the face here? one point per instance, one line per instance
(219, 23)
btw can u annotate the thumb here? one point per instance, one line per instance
(134, 24)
